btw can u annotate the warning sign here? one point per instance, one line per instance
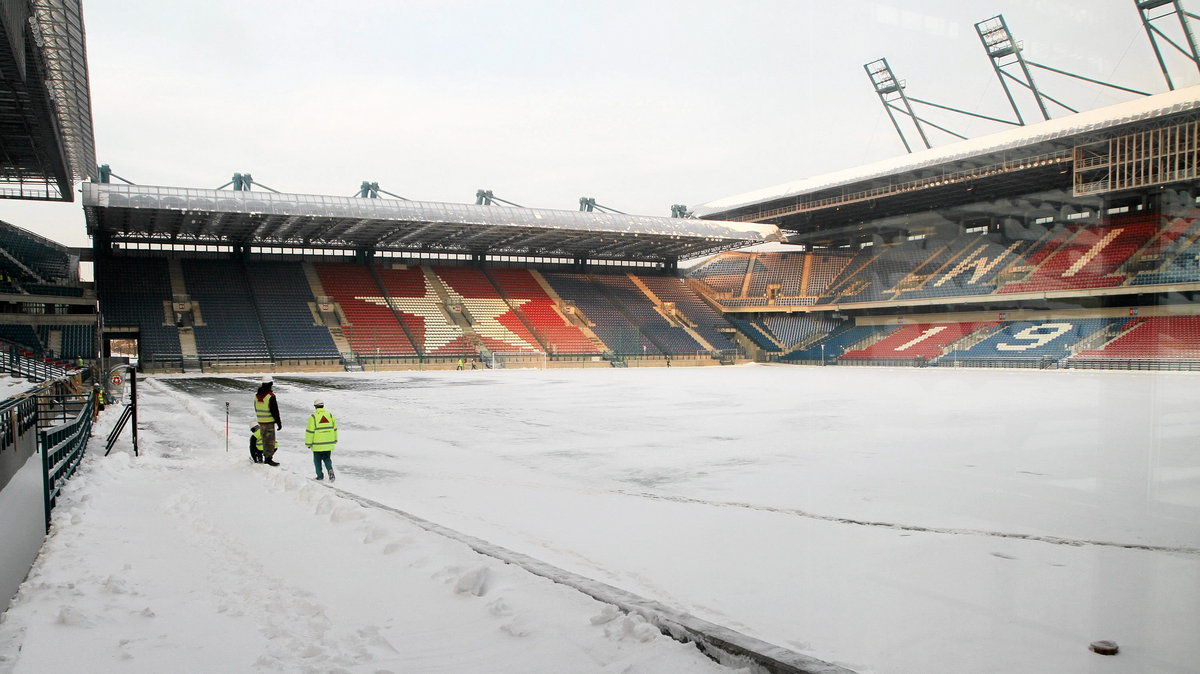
(116, 380)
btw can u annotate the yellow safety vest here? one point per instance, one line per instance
(321, 433)
(262, 408)
(257, 439)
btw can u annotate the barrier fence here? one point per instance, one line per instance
(21, 363)
(62, 445)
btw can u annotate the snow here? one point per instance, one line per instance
(1148, 107)
(11, 386)
(885, 520)
(274, 203)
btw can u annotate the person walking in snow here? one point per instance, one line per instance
(320, 435)
(266, 410)
(256, 454)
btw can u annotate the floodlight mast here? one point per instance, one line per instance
(1003, 50)
(680, 211)
(891, 89)
(1154, 33)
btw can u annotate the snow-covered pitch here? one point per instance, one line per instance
(886, 520)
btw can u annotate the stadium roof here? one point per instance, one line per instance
(182, 216)
(46, 141)
(1027, 158)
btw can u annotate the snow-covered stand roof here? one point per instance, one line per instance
(184, 215)
(1030, 139)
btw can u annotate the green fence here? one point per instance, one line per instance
(63, 440)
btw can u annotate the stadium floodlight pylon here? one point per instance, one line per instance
(890, 90)
(486, 198)
(680, 211)
(1192, 52)
(588, 205)
(1004, 51)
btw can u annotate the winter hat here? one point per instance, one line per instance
(267, 379)
(318, 403)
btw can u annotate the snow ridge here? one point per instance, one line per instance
(1055, 540)
(724, 645)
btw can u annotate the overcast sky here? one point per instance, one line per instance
(639, 104)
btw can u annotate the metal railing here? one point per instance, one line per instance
(1161, 364)
(30, 367)
(62, 448)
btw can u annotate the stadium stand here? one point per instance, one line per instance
(843, 284)
(1088, 258)
(371, 326)
(231, 329)
(283, 301)
(490, 316)
(757, 333)
(133, 292)
(725, 273)
(1177, 228)
(631, 301)
(23, 336)
(404, 311)
(1142, 248)
(794, 330)
(530, 301)
(925, 341)
(612, 326)
(975, 261)
(1033, 340)
(73, 341)
(824, 269)
(705, 320)
(1154, 337)
(893, 264)
(834, 344)
(1175, 256)
(27, 257)
(421, 304)
(781, 272)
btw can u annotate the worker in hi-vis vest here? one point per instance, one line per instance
(266, 410)
(256, 454)
(321, 437)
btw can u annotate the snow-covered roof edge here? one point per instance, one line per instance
(1147, 107)
(180, 198)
